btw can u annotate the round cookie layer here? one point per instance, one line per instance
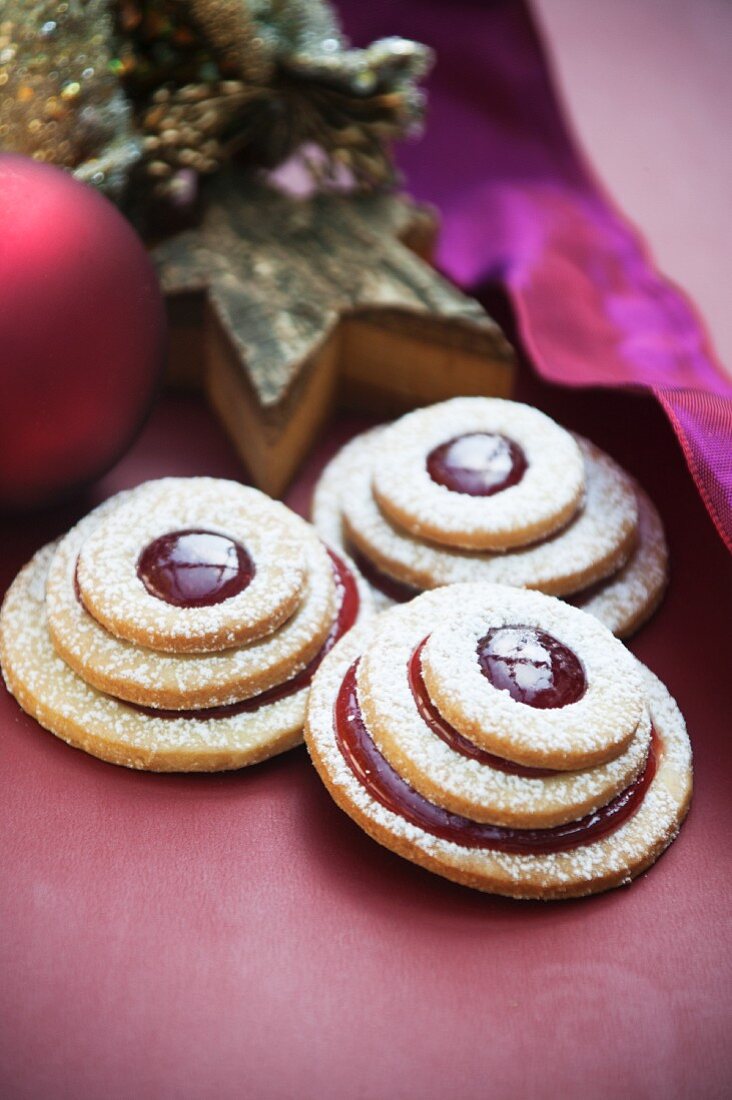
(107, 728)
(326, 509)
(596, 728)
(327, 516)
(114, 593)
(449, 778)
(595, 544)
(183, 681)
(627, 599)
(544, 499)
(614, 860)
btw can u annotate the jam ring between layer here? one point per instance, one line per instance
(450, 778)
(116, 596)
(542, 501)
(182, 681)
(595, 728)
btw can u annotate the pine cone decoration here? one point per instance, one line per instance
(153, 94)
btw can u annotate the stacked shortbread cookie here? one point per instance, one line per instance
(481, 489)
(177, 627)
(503, 739)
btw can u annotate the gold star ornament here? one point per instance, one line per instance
(282, 307)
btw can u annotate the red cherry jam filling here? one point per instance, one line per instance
(386, 786)
(195, 568)
(442, 728)
(479, 464)
(347, 591)
(532, 666)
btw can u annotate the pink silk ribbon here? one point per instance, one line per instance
(522, 209)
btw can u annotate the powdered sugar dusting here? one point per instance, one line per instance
(327, 509)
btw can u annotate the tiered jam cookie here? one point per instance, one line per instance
(481, 489)
(503, 739)
(178, 626)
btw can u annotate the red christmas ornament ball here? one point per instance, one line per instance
(82, 330)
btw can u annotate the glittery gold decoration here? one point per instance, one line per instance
(175, 88)
(281, 273)
(59, 100)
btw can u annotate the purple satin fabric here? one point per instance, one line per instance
(521, 209)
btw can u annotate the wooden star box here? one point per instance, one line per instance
(283, 308)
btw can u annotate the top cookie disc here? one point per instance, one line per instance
(478, 473)
(193, 565)
(529, 678)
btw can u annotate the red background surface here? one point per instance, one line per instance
(238, 936)
(169, 936)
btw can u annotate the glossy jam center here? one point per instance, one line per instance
(195, 568)
(532, 666)
(348, 606)
(447, 732)
(386, 786)
(479, 464)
